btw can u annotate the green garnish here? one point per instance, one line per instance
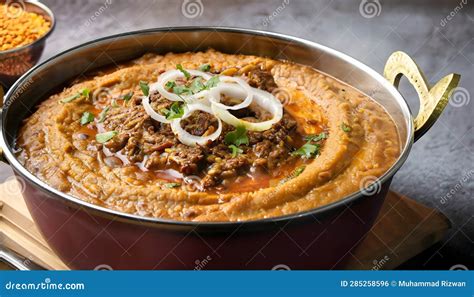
(175, 112)
(308, 150)
(180, 68)
(114, 103)
(237, 137)
(145, 87)
(106, 136)
(84, 92)
(127, 96)
(235, 150)
(170, 84)
(212, 82)
(86, 118)
(345, 128)
(205, 67)
(181, 89)
(197, 85)
(172, 185)
(316, 137)
(294, 174)
(103, 113)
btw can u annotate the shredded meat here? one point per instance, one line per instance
(142, 139)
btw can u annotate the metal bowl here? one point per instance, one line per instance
(87, 236)
(16, 61)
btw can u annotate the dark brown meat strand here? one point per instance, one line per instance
(142, 139)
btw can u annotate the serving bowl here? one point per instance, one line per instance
(87, 236)
(16, 61)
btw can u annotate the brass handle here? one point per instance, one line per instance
(432, 100)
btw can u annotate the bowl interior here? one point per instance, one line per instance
(52, 74)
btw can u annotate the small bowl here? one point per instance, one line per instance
(16, 61)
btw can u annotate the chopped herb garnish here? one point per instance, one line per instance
(197, 85)
(237, 137)
(127, 96)
(181, 89)
(175, 112)
(71, 98)
(294, 174)
(316, 137)
(235, 150)
(212, 82)
(106, 136)
(180, 68)
(84, 92)
(308, 150)
(103, 113)
(205, 67)
(87, 118)
(114, 103)
(170, 84)
(145, 87)
(345, 128)
(172, 185)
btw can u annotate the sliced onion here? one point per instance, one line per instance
(189, 139)
(152, 113)
(173, 75)
(265, 100)
(240, 90)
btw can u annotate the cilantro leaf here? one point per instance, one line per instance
(345, 128)
(170, 84)
(85, 92)
(205, 67)
(87, 118)
(106, 136)
(316, 137)
(196, 85)
(175, 112)
(145, 87)
(235, 150)
(237, 137)
(103, 113)
(172, 185)
(186, 73)
(127, 96)
(307, 150)
(212, 82)
(181, 89)
(70, 98)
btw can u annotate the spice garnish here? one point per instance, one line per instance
(144, 87)
(106, 136)
(237, 137)
(86, 118)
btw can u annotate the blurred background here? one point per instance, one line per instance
(439, 35)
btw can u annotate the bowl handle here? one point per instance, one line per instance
(432, 100)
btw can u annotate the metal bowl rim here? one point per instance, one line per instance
(103, 211)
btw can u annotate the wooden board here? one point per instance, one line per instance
(403, 229)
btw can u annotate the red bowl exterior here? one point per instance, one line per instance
(86, 239)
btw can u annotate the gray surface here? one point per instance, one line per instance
(438, 161)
